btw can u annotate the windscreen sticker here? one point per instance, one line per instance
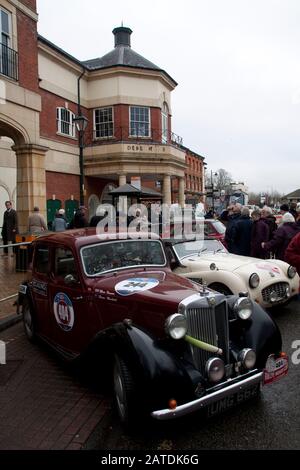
(63, 311)
(135, 285)
(269, 267)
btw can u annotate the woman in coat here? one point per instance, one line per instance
(282, 236)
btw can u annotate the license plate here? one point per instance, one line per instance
(232, 400)
(279, 368)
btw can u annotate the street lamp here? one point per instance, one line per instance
(212, 189)
(81, 123)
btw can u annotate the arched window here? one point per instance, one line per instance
(164, 123)
(106, 198)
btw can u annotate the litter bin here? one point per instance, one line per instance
(23, 252)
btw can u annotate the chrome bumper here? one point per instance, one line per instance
(201, 403)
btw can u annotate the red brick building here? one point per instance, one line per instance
(129, 136)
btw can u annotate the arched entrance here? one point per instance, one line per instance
(30, 161)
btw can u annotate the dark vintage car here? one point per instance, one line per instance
(175, 346)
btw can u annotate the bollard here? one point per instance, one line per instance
(2, 352)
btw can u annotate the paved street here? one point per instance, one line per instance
(43, 405)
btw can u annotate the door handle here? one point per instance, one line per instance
(77, 298)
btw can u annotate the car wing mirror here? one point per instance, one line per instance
(70, 279)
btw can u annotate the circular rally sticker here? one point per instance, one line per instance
(135, 285)
(63, 311)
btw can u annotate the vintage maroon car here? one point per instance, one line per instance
(175, 346)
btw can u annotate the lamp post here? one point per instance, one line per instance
(81, 123)
(212, 189)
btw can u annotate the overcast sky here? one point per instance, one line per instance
(237, 65)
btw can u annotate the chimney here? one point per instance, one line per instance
(122, 36)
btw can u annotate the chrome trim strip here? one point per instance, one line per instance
(200, 403)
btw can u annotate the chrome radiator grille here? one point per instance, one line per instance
(280, 288)
(208, 324)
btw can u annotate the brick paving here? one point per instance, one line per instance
(43, 405)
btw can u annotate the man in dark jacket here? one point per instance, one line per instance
(232, 220)
(241, 234)
(260, 233)
(282, 237)
(266, 214)
(9, 226)
(79, 220)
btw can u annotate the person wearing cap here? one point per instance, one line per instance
(282, 236)
(36, 221)
(284, 208)
(59, 223)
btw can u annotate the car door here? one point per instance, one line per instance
(40, 287)
(68, 302)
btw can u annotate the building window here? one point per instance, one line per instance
(8, 57)
(65, 124)
(164, 123)
(139, 121)
(103, 123)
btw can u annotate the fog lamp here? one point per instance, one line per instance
(215, 369)
(248, 358)
(273, 296)
(176, 326)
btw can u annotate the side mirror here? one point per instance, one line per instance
(70, 279)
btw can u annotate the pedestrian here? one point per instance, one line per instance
(267, 215)
(59, 223)
(259, 233)
(284, 208)
(36, 221)
(79, 220)
(292, 252)
(282, 236)
(233, 217)
(9, 226)
(241, 234)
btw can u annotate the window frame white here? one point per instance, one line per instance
(112, 122)
(164, 123)
(61, 123)
(141, 123)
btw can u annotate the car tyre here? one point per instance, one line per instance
(124, 393)
(220, 288)
(28, 322)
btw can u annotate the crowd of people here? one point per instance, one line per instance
(260, 236)
(257, 235)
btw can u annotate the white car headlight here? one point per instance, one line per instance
(176, 326)
(243, 308)
(291, 272)
(254, 280)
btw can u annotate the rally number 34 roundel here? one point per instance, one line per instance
(63, 311)
(135, 285)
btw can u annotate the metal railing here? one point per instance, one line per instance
(8, 62)
(123, 134)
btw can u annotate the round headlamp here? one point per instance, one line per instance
(176, 326)
(243, 308)
(248, 358)
(291, 272)
(215, 369)
(254, 280)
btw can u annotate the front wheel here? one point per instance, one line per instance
(28, 322)
(124, 392)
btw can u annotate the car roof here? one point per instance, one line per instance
(89, 235)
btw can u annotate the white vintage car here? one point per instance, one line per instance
(269, 282)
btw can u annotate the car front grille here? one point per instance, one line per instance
(280, 288)
(208, 324)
